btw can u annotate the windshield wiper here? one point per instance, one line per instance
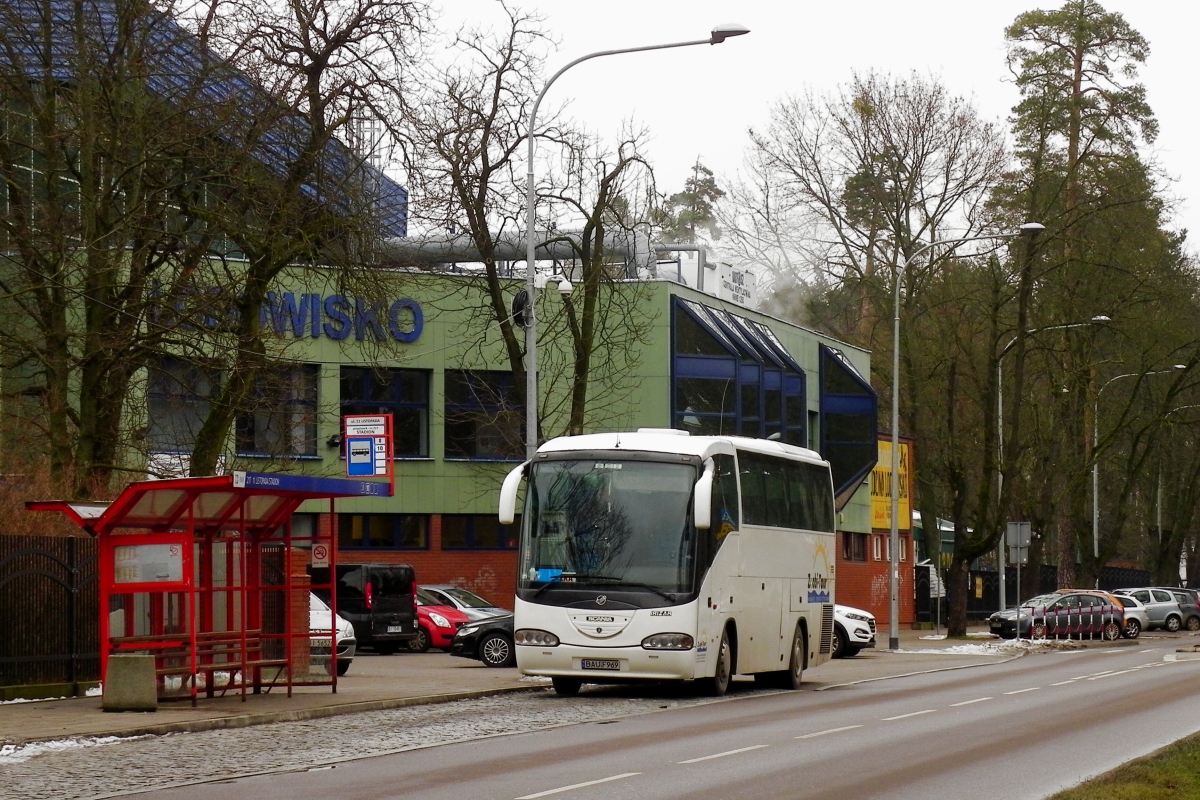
(622, 582)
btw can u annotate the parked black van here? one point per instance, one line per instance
(379, 600)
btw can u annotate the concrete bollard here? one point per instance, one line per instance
(130, 684)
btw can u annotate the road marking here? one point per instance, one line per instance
(1151, 650)
(1093, 675)
(549, 792)
(1022, 691)
(906, 716)
(968, 702)
(1110, 674)
(1064, 683)
(1113, 650)
(831, 730)
(719, 755)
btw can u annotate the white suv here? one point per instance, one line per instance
(853, 629)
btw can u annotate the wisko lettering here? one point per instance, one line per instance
(336, 317)
(313, 315)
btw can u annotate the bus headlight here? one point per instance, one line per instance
(536, 638)
(668, 641)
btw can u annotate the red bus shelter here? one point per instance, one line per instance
(207, 575)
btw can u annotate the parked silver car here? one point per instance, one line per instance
(1137, 619)
(1161, 606)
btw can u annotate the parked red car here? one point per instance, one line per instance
(436, 623)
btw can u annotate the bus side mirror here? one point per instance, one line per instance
(508, 494)
(702, 507)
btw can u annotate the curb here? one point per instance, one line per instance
(298, 715)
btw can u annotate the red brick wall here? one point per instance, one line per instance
(865, 584)
(491, 574)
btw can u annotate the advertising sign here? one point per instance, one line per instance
(881, 487)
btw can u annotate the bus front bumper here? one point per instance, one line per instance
(610, 664)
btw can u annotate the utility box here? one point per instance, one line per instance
(129, 684)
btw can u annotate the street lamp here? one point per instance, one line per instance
(1096, 461)
(1030, 230)
(1000, 556)
(719, 34)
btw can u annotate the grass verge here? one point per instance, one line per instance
(1173, 772)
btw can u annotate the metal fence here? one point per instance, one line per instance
(49, 610)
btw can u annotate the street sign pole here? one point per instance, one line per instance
(1017, 538)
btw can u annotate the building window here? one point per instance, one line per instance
(383, 531)
(876, 548)
(854, 546)
(849, 409)
(478, 532)
(483, 418)
(732, 376)
(403, 393)
(282, 420)
(903, 549)
(178, 396)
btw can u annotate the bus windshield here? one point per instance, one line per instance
(609, 523)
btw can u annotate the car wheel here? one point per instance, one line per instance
(851, 652)
(1133, 629)
(1193, 624)
(567, 687)
(1172, 624)
(386, 648)
(421, 643)
(718, 684)
(496, 650)
(1111, 632)
(837, 647)
(343, 668)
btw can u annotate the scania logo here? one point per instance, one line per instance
(602, 599)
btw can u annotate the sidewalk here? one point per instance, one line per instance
(379, 682)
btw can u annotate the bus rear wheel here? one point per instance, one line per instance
(791, 677)
(567, 687)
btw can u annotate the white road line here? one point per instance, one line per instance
(1110, 674)
(1022, 691)
(968, 702)
(1064, 683)
(720, 755)
(1113, 650)
(549, 792)
(831, 730)
(1151, 650)
(906, 716)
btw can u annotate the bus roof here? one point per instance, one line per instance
(669, 440)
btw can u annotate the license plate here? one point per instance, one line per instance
(601, 663)
(395, 629)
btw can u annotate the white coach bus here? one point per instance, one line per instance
(658, 555)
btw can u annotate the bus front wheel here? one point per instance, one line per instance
(568, 687)
(718, 684)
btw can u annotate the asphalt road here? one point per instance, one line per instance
(1022, 729)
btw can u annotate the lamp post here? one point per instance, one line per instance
(1000, 555)
(1029, 229)
(719, 34)
(1096, 461)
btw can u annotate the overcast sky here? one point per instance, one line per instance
(699, 101)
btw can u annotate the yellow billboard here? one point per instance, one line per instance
(881, 487)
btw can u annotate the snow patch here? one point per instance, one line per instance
(997, 648)
(16, 753)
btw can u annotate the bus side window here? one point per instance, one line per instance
(724, 507)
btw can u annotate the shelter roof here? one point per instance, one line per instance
(253, 502)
